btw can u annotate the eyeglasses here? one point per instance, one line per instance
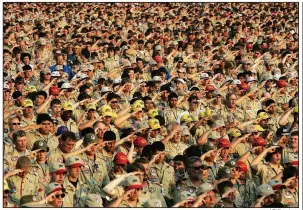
(144, 86)
(114, 102)
(16, 123)
(195, 102)
(60, 195)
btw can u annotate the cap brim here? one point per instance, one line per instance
(278, 186)
(75, 165)
(121, 162)
(134, 186)
(294, 163)
(60, 171)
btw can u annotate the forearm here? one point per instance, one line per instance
(87, 124)
(258, 159)
(241, 126)
(195, 127)
(244, 157)
(121, 120)
(203, 138)
(109, 188)
(130, 154)
(284, 119)
(124, 111)
(74, 153)
(40, 109)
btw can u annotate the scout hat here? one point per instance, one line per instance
(53, 187)
(120, 158)
(40, 144)
(106, 111)
(90, 138)
(132, 182)
(74, 162)
(231, 164)
(154, 124)
(234, 132)
(186, 195)
(140, 142)
(57, 167)
(224, 172)
(185, 131)
(265, 190)
(67, 106)
(93, 201)
(242, 166)
(27, 103)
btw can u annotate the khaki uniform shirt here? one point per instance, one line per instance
(171, 114)
(55, 156)
(175, 149)
(266, 172)
(165, 175)
(273, 122)
(10, 159)
(238, 114)
(289, 197)
(70, 124)
(247, 190)
(187, 185)
(251, 107)
(74, 194)
(50, 139)
(24, 122)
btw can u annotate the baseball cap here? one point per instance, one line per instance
(210, 88)
(207, 113)
(251, 129)
(57, 167)
(27, 103)
(275, 184)
(224, 172)
(120, 158)
(158, 59)
(59, 67)
(157, 79)
(154, 124)
(230, 164)
(137, 107)
(152, 113)
(106, 89)
(132, 182)
(186, 118)
(40, 144)
(281, 83)
(90, 107)
(263, 115)
(106, 111)
(140, 142)
(224, 143)
(53, 187)
(117, 81)
(184, 131)
(31, 89)
(242, 166)
(259, 128)
(236, 82)
(92, 200)
(67, 106)
(55, 74)
(259, 141)
(204, 188)
(90, 138)
(54, 90)
(250, 79)
(292, 159)
(218, 123)
(204, 76)
(74, 162)
(234, 132)
(181, 80)
(243, 86)
(214, 135)
(61, 130)
(186, 195)
(66, 85)
(208, 146)
(42, 41)
(158, 47)
(265, 190)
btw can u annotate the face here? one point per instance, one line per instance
(160, 158)
(46, 127)
(41, 156)
(294, 141)
(268, 200)
(148, 104)
(173, 102)
(210, 200)
(114, 103)
(110, 147)
(67, 146)
(14, 124)
(21, 144)
(39, 100)
(154, 133)
(178, 165)
(118, 167)
(60, 60)
(276, 158)
(57, 202)
(74, 172)
(135, 195)
(66, 115)
(58, 177)
(28, 111)
(19, 86)
(146, 168)
(56, 108)
(194, 105)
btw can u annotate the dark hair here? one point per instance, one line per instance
(172, 95)
(134, 167)
(41, 93)
(161, 120)
(295, 133)
(288, 172)
(43, 117)
(22, 162)
(55, 102)
(269, 102)
(142, 160)
(111, 96)
(158, 146)
(68, 135)
(193, 150)
(148, 152)
(223, 185)
(87, 130)
(17, 134)
(23, 55)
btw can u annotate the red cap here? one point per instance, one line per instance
(134, 186)
(140, 142)
(294, 163)
(54, 90)
(165, 39)
(158, 59)
(243, 86)
(76, 165)
(191, 37)
(259, 141)
(121, 158)
(60, 171)
(278, 186)
(249, 46)
(281, 83)
(242, 166)
(141, 36)
(224, 143)
(210, 88)
(224, 34)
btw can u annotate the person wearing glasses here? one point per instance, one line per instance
(28, 117)
(57, 200)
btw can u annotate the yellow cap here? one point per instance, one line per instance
(140, 102)
(136, 107)
(154, 124)
(106, 111)
(31, 89)
(5, 185)
(234, 132)
(296, 109)
(259, 128)
(263, 115)
(67, 106)
(27, 103)
(153, 113)
(186, 118)
(90, 106)
(207, 113)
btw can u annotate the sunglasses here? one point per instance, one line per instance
(198, 167)
(16, 123)
(60, 195)
(195, 102)
(114, 102)
(144, 86)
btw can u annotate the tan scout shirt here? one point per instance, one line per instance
(175, 149)
(50, 139)
(171, 114)
(55, 156)
(24, 122)
(267, 172)
(289, 197)
(10, 159)
(74, 195)
(43, 173)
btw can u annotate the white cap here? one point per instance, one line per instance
(276, 71)
(90, 67)
(66, 85)
(117, 81)
(6, 86)
(204, 75)
(157, 79)
(182, 70)
(250, 79)
(277, 76)
(158, 47)
(181, 80)
(293, 74)
(236, 82)
(83, 67)
(59, 67)
(55, 74)
(105, 89)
